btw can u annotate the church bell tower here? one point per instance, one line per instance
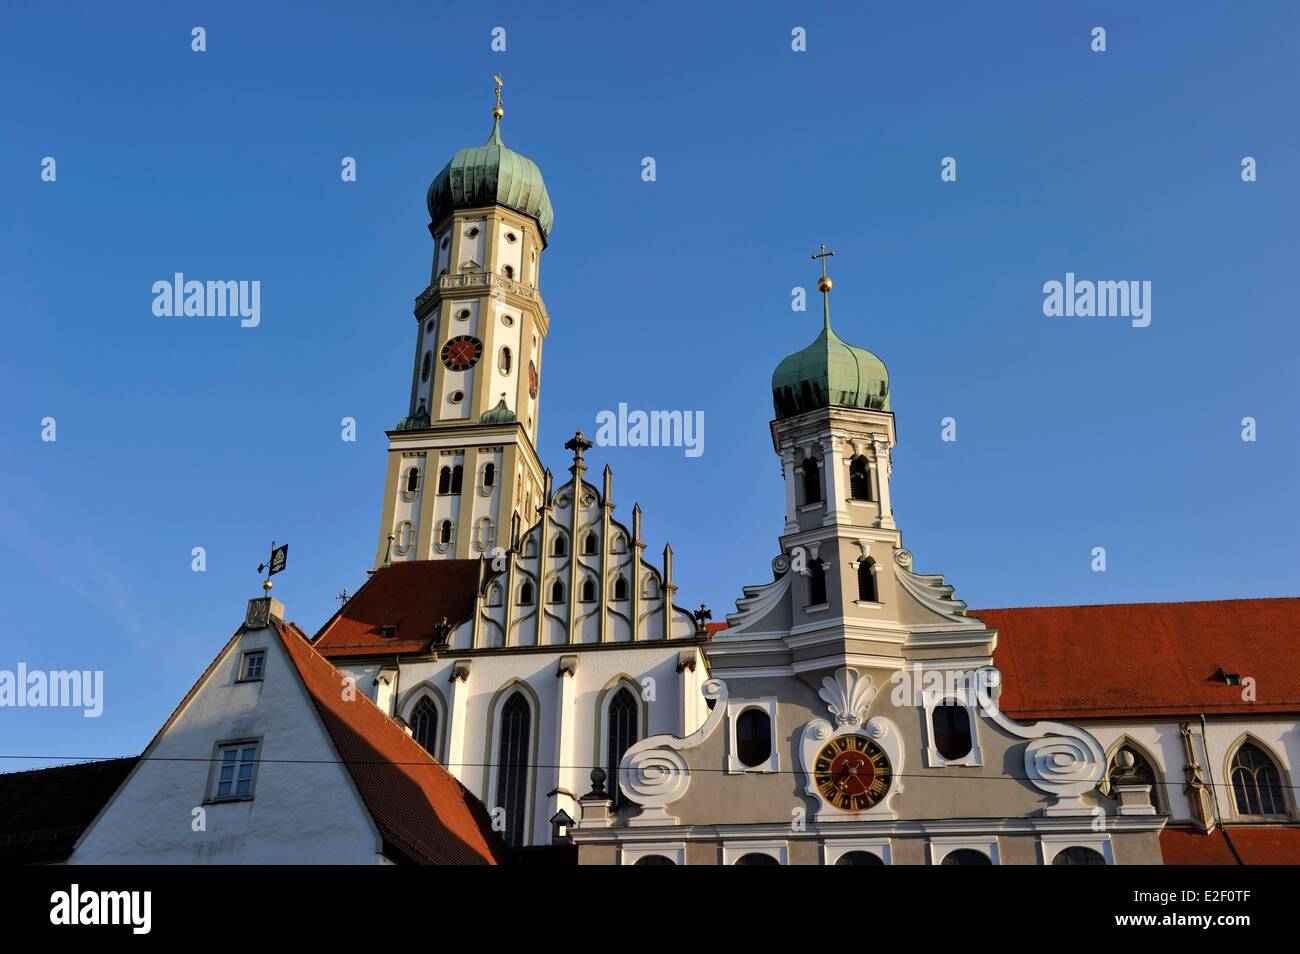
(463, 469)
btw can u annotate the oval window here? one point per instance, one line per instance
(427, 366)
(753, 737)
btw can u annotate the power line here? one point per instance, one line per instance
(80, 759)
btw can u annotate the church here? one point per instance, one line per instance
(517, 678)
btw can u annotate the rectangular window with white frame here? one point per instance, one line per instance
(235, 771)
(252, 667)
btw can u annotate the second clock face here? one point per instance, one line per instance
(852, 773)
(462, 352)
(532, 379)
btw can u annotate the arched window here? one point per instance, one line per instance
(444, 532)
(860, 479)
(654, 860)
(951, 724)
(753, 737)
(509, 271)
(1079, 856)
(1143, 773)
(413, 480)
(526, 594)
(590, 545)
(559, 547)
(444, 480)
(494, 595)
(588, 592)
(756, 858)
(816, 583)
(620, 587)
(1256, 783)
(966, 856)
(858, 858)
(812, 481)
(512, 766)
(457, 473)
(503, 361)
(424, 725)
(622, 732)
(557, 592)
(867, 582)
(489, 474)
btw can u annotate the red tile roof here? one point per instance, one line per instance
(414, 597)
(44, 811)
(1147, 659)
(1265, 845)
(418, 806)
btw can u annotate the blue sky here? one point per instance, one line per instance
(1072, 433)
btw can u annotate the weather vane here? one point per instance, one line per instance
(279, 557)
(499, 111)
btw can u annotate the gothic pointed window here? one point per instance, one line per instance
(489, 475)
(557, 592)
(867, 582)
(559, 547)
(1256, 783)
(444, 532)
(526, 594)
(589, 591)
(444, 480)
(620, 587)
(816, 583)
(590, 545)
(457, 475)
(951, 724)
(512, 766)
(424, 725)
(859, 479)
(812, 481)
(1142, 772)
(621, 733)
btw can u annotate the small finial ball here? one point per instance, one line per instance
(498, 112)
(824, 284)
(1124, 760)
(266, 587)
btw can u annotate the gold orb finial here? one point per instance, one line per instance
(266, 586)
(824, 284)
(498, 111)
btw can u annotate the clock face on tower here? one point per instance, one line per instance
(852, 772)
(462, 352)
(532, 380)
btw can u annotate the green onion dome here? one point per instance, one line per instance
(829, 372)
(488, 174)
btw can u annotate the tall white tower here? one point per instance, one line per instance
(463, 469)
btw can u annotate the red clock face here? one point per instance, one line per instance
(852, 773)
(462, 352)
(532, 380)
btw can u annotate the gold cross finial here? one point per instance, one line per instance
(498, 112)
(824, 283)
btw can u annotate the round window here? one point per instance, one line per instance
(463, 314)
(507, 320)
(456, 397)
(472, 231)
